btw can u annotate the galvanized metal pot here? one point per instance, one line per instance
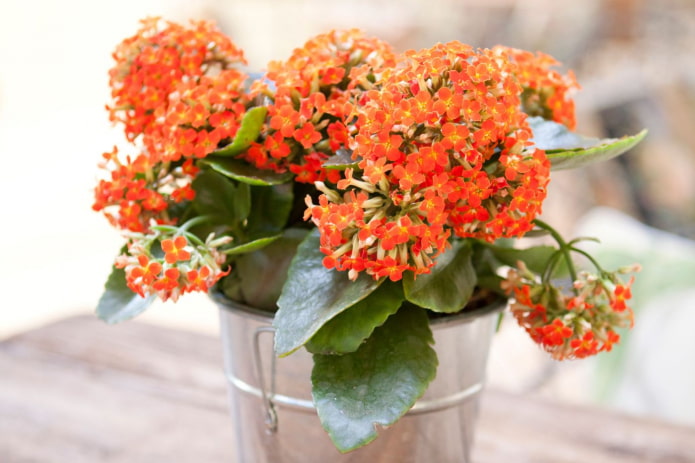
(275, 420)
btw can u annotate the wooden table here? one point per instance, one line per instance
(82, 391)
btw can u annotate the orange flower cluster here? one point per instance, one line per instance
(139, 192)
(443, 147)
(547, 92)
(310, 94)
(161, 91)
(201, 115)
(150, 64)
(183, 268)
(577, 325)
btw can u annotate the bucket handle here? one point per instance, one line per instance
(267, 393)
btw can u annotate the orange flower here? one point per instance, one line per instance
(555, 333)
(168, 282)
(307, 135)
(174, 249)
(199, 279)
(585, 346)
(621, 293)
(612, 338)
(285, 120)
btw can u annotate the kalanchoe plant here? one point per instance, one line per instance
(354, 192)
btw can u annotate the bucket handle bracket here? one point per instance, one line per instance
(267, 392)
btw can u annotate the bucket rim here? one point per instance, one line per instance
(441, 320)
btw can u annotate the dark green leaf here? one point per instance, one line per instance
(313, 295)
(491, 282)
(218, 197)
(242, 201)
(251, 125)
(449, 285)
(118, 302)
(378, 383)
(340, 161)
(257, 277)
(349, 329)
(568, 150)
(270, 208)
(245, 172)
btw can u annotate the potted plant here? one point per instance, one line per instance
(354, 198)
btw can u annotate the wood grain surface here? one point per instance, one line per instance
(80, 391)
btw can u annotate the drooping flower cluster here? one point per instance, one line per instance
(153, 62)
(185, 264)
(443, 148)
(577, 324)
(310, 95)
(546, 91)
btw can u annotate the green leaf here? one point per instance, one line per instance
(378, 383)
(218, 197)
(251, 125)
(118, 302)
(251, 246)
(568, 150)
(245, 172)
(450, 283)
(275, 198)
(349, 329)
(549, 135)
(536, 257)
(340, 161)
(257, 277)
(312, 295)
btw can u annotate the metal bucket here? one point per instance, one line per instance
(275, 420)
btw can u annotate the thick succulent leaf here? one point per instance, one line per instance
(568, 150)
(450, 283)
(378, 383)
(245, 172)
(276, 198)
(312, 295)
(118, 302)
(350, 328)
(218, 197)
(340, 161)
(251, 125)
(257, 277)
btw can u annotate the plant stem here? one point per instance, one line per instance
(193, 222)
(564, 247)
(591, 259)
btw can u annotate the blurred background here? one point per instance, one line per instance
(635, 60)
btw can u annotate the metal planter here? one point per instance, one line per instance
(273, 414)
